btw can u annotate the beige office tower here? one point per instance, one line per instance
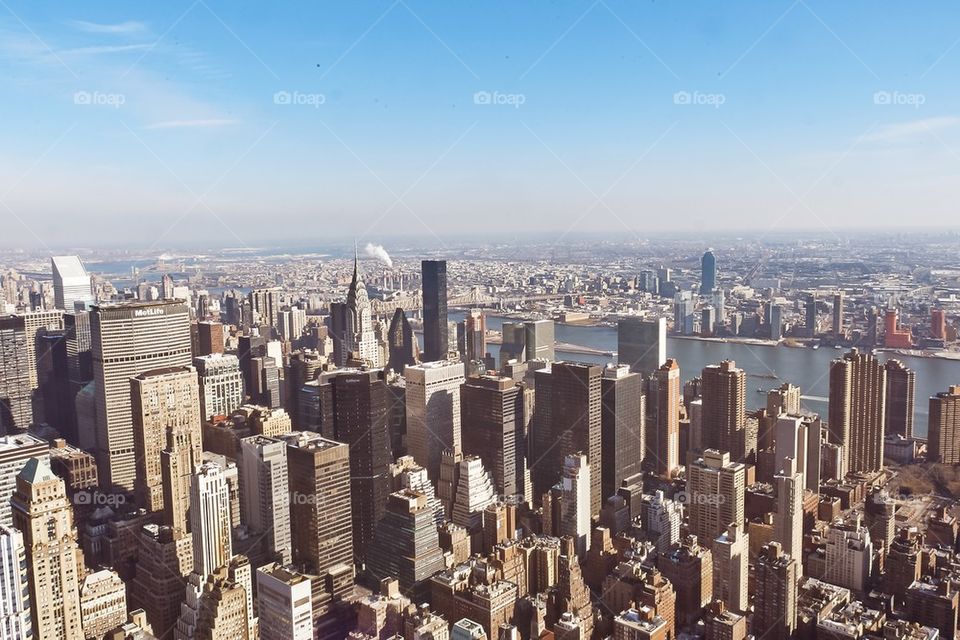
(785, 399)
(857, 409)
(474, 492)
(210, 519)
(264, 492)
(221, 384)
(715, 494)
(663, 405)
(943, 431)
(731, 557)
(103, 603)
(849, 553)
(433, 411)
(129, 339)
(724, 393)
(788, 525)
(799, 437)
(284, 604)
(216, 608)
(164, 560)
(775, 605)
(162, 401)
(42, 512)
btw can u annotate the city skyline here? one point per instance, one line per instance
(163, 122)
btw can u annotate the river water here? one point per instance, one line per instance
(808, 368)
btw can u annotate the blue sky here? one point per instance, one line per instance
(161, 124)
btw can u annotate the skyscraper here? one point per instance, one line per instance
(491, 410)
(574, 493)
(433, 411)
(71, 284)
(402, 345)
(715, 494)
(642, 344)
(265, 304)
(731, 556)
(775, 606)
(361, 418)
(568, 421)
(34, 323)
(320, 513)
(539, 339)
(810, 315)
(221, 384)
(264, 494)
(943, 431)
(359, 337)
(16, 410)
(724, 417)
(15, 623)
(210, 519)
(901, 383)
(129, 339)
(622, 422)
(708, 273)
(788, 525)
(838, 329)
(406, 545)
(162, 400)
(15, 451)
(663, 410)
(475, 336)
(42, 512)
(284, 604)
(857, 409)
(435, 332)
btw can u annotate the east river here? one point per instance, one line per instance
(767, 366)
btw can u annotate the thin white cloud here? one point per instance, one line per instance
(193, 124)
(131, 26)
(901, 130)
(105, 48)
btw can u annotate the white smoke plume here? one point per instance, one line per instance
(377, 251)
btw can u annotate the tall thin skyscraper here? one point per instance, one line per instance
(539, 339)
(724, 416)
(901, 383)
(943, 431)
(16, 409)
(574, 491)
(731, 555)
(708, 273)
(359, 337)
(129, 339)
(71, 284)
(857, 409)
(15, 623)
(433, 412)
(162, 400)
(788, 529)
(361, 405)
(264, 492)
(663, 410)
(210, 519)
(42, 512)
(642, 344)
(435, 331)
(575, 398)
(622, 427)
(838, 330)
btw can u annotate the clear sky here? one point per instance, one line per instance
(239, 123)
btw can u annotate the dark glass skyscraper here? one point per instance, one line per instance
(435, 331)
(708, 276)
